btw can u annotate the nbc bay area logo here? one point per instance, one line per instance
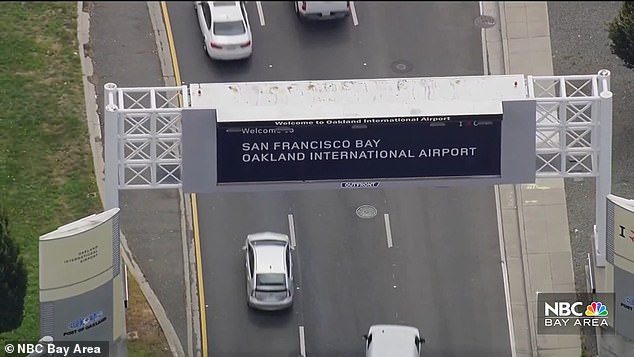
(562, 314)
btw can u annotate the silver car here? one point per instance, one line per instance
(269, 270)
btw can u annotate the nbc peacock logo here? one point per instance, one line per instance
(596, 309)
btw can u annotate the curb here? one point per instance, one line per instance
(504, 67)
(96, 145)
(505, 39)
(495, 53)
(189, 262)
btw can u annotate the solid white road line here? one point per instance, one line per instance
(258, 4)
(302, 342)
(496, 190)
(505, 275)
(485, 57)
(291, 228)
(388, 229)
(353, 10)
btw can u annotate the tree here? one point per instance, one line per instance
(621, 33)
(13, 279)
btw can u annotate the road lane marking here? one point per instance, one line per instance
(388, 229)
(353, 11)
(202, 308)
(291, 228)
(485, 57)
(505, 275)
(194, 202)
(170, 40)
(496, 190)
(258, 4)
(302, 342)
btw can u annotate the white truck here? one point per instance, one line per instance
(322, 10)
(393, 341)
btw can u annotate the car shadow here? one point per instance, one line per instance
(233, 67)
(324, 33)
(271, 319)
(322, 27)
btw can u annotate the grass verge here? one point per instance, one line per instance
(46, 172)
(146, 336)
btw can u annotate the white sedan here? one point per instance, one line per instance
(225, 28)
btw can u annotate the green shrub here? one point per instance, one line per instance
(12, 279)
(621, 34)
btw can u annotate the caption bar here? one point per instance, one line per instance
(58, 348)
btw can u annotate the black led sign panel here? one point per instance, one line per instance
(360, 148)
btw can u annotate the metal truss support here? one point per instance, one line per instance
(111, 158)
(111, 144)
(604, 179)
(142, 138)
(573, 138)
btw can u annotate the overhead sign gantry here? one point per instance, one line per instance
(154, 137)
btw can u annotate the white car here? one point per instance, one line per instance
(269, 270)
(393, 341)
(225, 28)
(322, 10)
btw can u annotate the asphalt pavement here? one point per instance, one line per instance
(123, 51)
(387, 34)
(442, 271)
(353, 279)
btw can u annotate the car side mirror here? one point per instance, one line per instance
(244, 247)
(365, 337)
(419, 341)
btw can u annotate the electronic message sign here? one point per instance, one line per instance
(334, 148)
(359, 148)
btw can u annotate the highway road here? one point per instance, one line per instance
(437, 267)
(430, 38)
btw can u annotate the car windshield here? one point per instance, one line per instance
(229, 28)
(270, 282)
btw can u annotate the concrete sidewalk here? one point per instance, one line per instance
(534, 218)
